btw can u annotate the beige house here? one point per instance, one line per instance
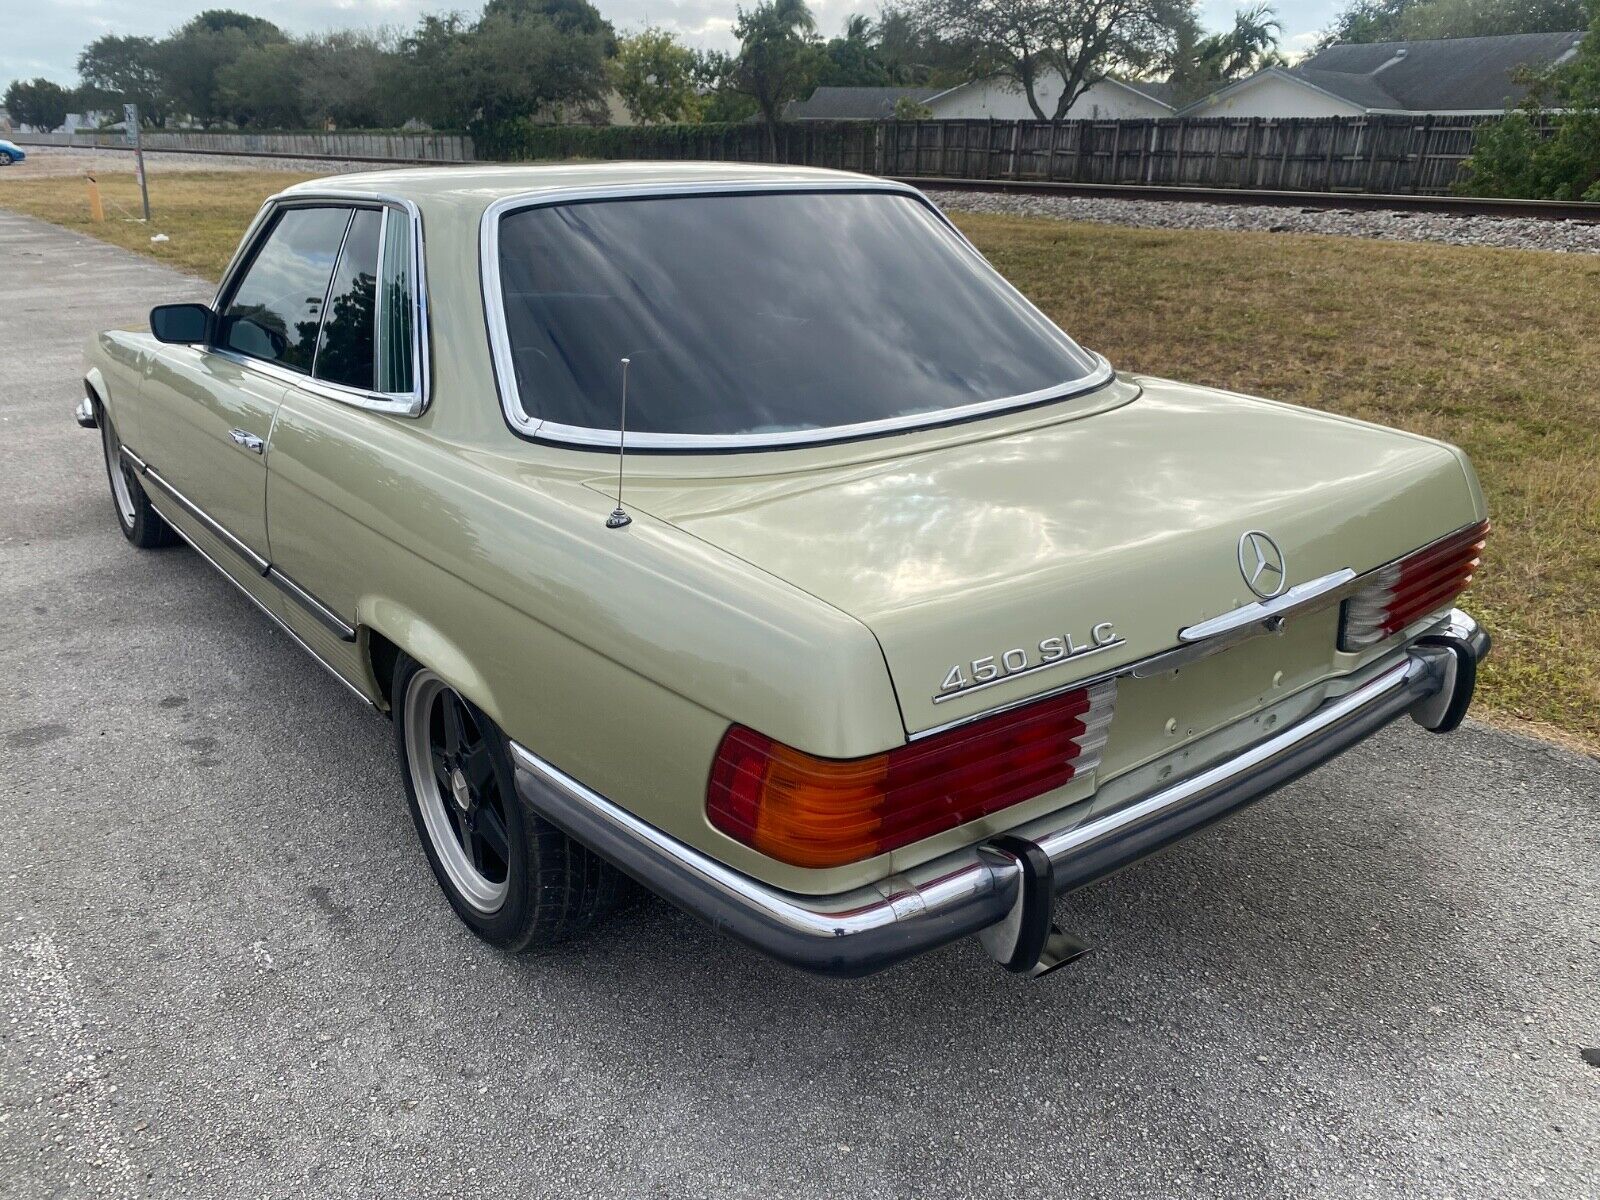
(1004, 100)
(981, 99)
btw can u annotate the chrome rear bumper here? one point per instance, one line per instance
(989, 886)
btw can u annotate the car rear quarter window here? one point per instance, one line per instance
(763, 313)
(275, 311)
(396, 368)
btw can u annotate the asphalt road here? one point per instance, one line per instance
(226, 971)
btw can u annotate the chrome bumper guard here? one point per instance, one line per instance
(1004, 888)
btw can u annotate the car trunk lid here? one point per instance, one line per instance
(1109, 534)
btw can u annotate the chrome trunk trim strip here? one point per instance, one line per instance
(1303, 597)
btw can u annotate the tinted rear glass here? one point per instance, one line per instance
(767, 313)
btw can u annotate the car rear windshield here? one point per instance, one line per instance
(751, 314)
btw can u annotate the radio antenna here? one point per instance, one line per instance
(618, 518)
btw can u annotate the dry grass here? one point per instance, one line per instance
(1495, 350)
(202, 213)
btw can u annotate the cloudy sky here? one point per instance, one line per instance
(43, 37)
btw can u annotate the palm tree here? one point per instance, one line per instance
(778, 57)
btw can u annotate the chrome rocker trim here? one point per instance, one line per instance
(871, 928)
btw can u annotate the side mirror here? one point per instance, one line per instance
(183, 324)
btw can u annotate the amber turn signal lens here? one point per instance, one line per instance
(821, 812)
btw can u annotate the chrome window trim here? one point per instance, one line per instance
(400, 404)
(1099, 374)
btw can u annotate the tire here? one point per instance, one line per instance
(5, 158)
(141, 524)
(512, 877)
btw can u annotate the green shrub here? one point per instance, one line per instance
(1550, 148)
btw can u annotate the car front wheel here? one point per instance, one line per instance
(141, 524)
(516, 880)
(5, 158)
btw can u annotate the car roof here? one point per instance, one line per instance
(484, 184)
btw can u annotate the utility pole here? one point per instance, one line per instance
(130, 118)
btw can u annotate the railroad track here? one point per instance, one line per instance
(1460, 206)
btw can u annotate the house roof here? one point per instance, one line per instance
(1453, 75)
(1160, 91)
(856, 103)
(1443, 75)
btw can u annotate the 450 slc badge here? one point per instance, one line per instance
(985, 672)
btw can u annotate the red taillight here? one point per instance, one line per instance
(821, 812)
(1413, 587)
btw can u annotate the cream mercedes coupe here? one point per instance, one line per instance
(742, 531)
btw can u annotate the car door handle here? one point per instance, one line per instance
(248, 440)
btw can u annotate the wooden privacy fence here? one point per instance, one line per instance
(1393, 154)
(379, 144)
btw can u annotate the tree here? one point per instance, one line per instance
(263, 87)
(1513, 158)
(853, 60)
(778, 58)
(1035, 42)
(1419, 20)
(1366, 21)
(191, 60)
(911, 53)
(1490, 18)
(347, 80)
(654, 73)
(38, 104)
(719, 99)
(523, 58)
(578, 17)
(119, 70)
(431, 83)
(1202, 63)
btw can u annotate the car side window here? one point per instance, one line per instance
(345, 353)
(397, 289)
(275, 312)
(367, 340)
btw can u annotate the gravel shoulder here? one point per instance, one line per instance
(225, 969)
(1515, 233)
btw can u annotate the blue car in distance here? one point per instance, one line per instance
(10, 152)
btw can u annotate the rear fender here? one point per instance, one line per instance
(416, 636)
